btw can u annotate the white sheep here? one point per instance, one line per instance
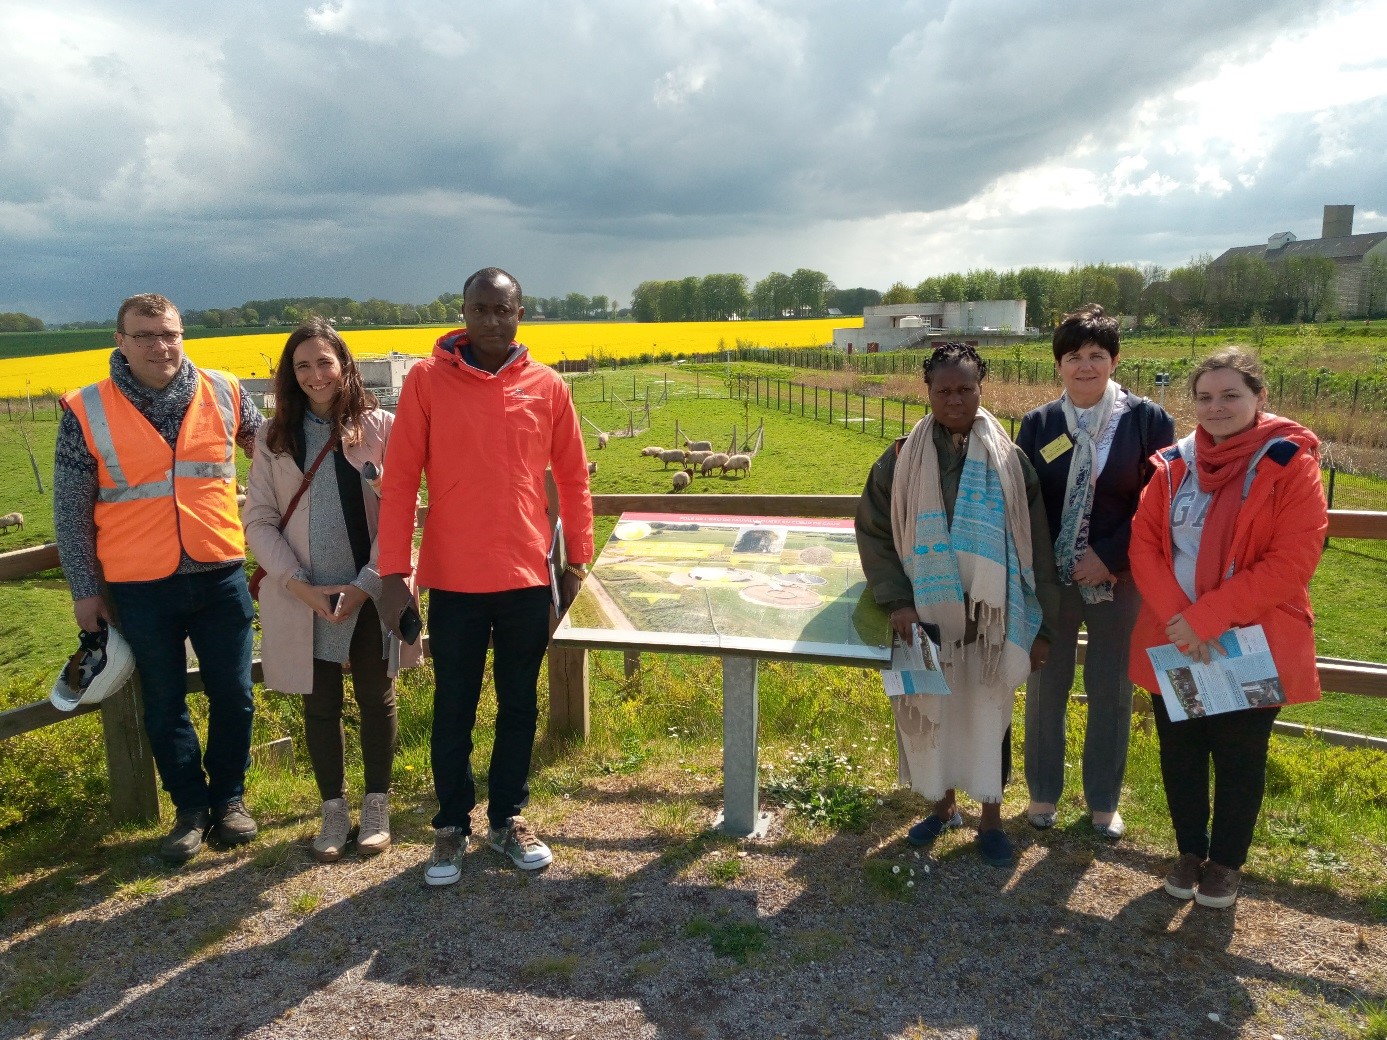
(696, 458)
(602, 439)
(12, 520)
(698, 445)
(653, 452)
(737, 462)
(673, 455)
(682, 479)
(714, 461)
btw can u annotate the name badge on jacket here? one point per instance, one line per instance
(1056, 448)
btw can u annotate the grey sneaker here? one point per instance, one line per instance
(1184, 876)
(521, 844)
(445, 865)
(1218, 888)
(336, 829)
(232, 823)
(183, 842)
(374, 836)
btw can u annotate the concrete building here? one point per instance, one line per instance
(898, 326)
(1337, 241)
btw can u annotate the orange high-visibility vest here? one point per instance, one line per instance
(155, 502)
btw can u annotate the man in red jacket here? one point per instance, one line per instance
(482, 421)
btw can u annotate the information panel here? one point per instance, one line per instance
(774, 587)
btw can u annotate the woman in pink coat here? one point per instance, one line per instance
(317, 610)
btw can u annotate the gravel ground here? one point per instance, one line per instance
(617, 940)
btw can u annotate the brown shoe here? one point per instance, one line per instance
(1184, 876)
(1218, 888)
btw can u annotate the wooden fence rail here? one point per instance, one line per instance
(131, 769)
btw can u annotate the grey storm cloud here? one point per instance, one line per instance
(380, 147)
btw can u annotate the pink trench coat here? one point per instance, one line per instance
(286, 650)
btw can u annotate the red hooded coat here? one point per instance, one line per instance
(483, 441)
(1276, 546)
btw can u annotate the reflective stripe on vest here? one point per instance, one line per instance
(105, 445)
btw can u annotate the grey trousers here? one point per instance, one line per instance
(1109, 698)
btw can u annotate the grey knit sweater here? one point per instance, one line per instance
(74, 469)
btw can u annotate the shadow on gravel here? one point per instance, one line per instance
(798, 940)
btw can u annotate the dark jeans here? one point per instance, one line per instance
(1236, 742)
(213, 609)
(516, 623)
(375, 699)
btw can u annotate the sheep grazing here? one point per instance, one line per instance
(673, 455)
(602, 439)
(592, 469)
(682, 479)
(12, 520)
(714, 461)
(696, 458)
(737, 462)
(697, 445)
(653, 452)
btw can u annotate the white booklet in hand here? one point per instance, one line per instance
(1243, 676)
(915, 668)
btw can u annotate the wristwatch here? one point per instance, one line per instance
(578, 570)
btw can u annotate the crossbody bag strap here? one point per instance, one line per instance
(307, 479)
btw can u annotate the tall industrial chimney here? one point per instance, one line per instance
(1338, 222)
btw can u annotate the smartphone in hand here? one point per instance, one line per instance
(411, 624)
(333, 602)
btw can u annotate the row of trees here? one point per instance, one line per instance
(255, 313)
(1296, 288)
(13, 321)
(716, 297)
(447, 308)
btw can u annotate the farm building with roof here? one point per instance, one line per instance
(1360, 261)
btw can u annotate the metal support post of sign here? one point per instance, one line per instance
(741, 815)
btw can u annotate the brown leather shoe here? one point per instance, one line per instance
(1218, 888)
(232, 824)
(183, 842)
(1184, 876)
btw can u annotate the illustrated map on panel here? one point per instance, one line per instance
(786, 587)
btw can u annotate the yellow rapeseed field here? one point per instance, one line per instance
(249, 356)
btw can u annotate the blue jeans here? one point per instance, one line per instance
(461, 624)
(213, 609)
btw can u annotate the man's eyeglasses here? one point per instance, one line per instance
(148, 339)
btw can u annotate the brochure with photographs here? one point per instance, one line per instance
(1243, 677)
(558, 560)
(915, 668)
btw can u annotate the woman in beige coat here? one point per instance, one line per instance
(317, 610)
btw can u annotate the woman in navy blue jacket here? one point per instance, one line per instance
(1091, 450)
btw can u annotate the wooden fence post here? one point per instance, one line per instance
(129, 763)
(568, 692)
